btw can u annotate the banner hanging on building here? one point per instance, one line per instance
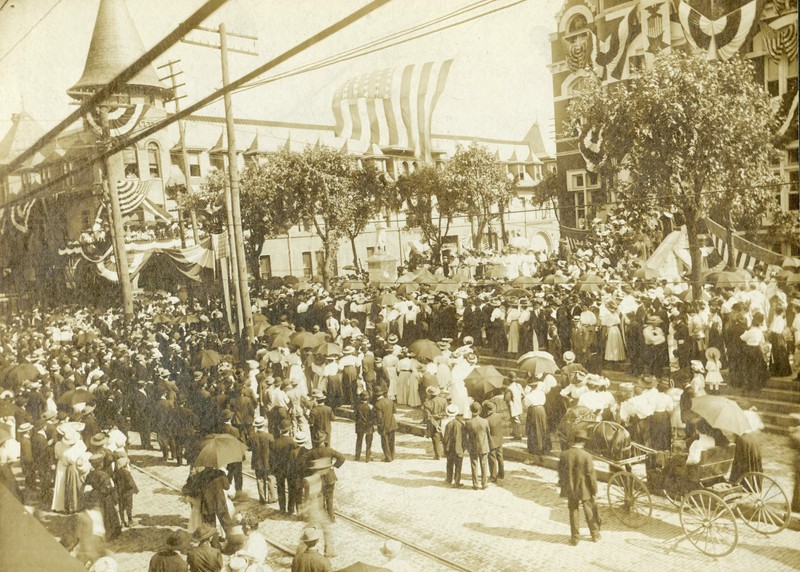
(722, 37)
(612, 37)
(391, 107)
(780, 37)
(121, 120)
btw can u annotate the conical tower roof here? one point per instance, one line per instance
(115, 45)
(24, 133)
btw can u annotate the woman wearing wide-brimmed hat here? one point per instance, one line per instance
(71, 468)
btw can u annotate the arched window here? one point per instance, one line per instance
(577, 24)
(130, 161)
(406, 169)
(576, 86)
(154, 160)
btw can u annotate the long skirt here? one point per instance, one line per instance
(536, 430)
(73, 483)
(513, 337)
(412, 390)
(754, 368)
(780, 356)
(402, 387)
(615, 346)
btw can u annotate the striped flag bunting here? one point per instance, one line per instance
(19, 215)
(723, 37)
(611, 52)
(747, 253)
(780, 37)
(589, 144)
(787, 109)
(121, 120)
(132, 192)
(392, 107)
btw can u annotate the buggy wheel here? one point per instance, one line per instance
(674, 497)
(629, 499)
(709, 523)
(764, 506)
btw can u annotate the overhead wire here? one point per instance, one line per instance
(31, 29)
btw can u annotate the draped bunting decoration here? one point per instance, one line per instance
(121, 120)
(723, 37)
(579, 52)
(780, 37)
(747, 253)
(788, 111)
(391, 107)
(20, 214)
(589, 144)
(69, 270)
(131, 193)
(611, 53)
(575, 236)
(783, 6)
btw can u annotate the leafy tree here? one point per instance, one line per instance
(430, 204)
(688, 133)
(483, 182)
(208, 201)
(368, 195)
(548, 190)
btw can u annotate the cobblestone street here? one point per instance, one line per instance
(521, 524)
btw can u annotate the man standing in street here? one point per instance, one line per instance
(365, 425)
(434, 411)
(279, 461)
(453, 442)
(262, 443)
(578, 483)
(477, 440)
(497, 470)
(386, 424)
(320, 419)
(321, 451)
(307, 558)
(234, 469)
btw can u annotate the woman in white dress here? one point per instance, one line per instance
(458, 390)
(390, 364)
(615, 345)
(404, 369)
(72, 466)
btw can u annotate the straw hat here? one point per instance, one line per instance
(712, 353)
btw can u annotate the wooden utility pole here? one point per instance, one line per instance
(232, 202)
(111, 173)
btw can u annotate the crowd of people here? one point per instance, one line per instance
(77, 383)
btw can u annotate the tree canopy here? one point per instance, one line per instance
(686, 133)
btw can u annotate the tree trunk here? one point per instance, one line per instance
(356, 262)
(729, 241)
(326, 266)
(696, 256)
(503, 232)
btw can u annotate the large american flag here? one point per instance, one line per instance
(392, 107)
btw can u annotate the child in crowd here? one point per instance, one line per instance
(713, 376)
(126, 488)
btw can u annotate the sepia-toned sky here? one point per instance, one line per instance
(498, 86)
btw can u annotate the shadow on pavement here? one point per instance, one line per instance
(411, 483)
(675, 546)
(519, 534)
(787, 556)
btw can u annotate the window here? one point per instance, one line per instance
(194, 164)
(130, 162)
(308, 268)
(793, 192)
(406, 169)
(370, 251)
(780, 77)
(265, 266)
(636, 64)
(154, 160)
(320, 261)
(577, 24)
(582, 184)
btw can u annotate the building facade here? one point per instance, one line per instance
(615, 38)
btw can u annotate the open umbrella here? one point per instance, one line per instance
(259, 318)
(590, 283)
(188, 319)
(22, 373)
(537, 362)
(279, 330)
(646, 273)
(482, 380)
(280, 342)
(515, 293)
(328, 349)
(425, 349)
(791, 262)
(207, 358)
(728, 278)
(523, 281)
(424, 276)
(793, 278)
(447, 285)
(162, 319)
(304, 339)
(218, 450)
(721, 413)
(386, 299)
(407, 288)
(260, 328)
(555, 279)
(73, 396)
(353, 285)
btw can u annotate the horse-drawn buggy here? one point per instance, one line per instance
(707, 501)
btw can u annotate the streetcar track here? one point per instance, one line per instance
(352, 520)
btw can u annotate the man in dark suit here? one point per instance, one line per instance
(261, 443)
(453, 442)
(322, 451)
(279, 461)
(578, 483)
(386, 424)
(496, 435)
(433, 411)
(477, 438)
(320, 419)
(234, 469)
(365, 425)
(142, 413)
